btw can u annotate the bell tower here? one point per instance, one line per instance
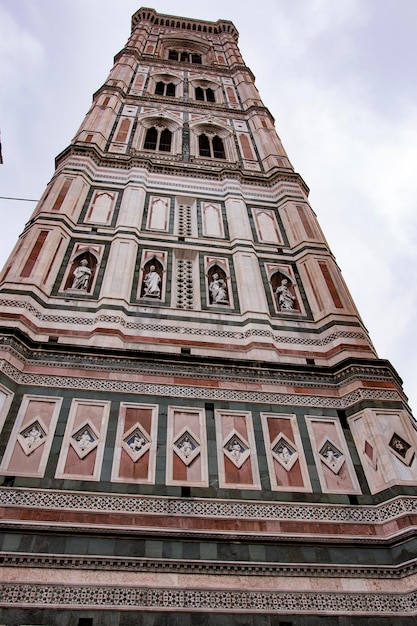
(195, 424)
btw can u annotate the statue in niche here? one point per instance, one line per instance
(218, 290)
(82, 275)
(285, 298)
(152, 282)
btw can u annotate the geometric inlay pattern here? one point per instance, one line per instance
(84, 439)
(32, 436)
(401, 449)
(119, 503)
(136, 598)
(370, 455)
(284, 451)
(185, 284)
(236, 448)
(187, 446)
(183, 391)
(331, 455)
(136, 442)
(161, 327)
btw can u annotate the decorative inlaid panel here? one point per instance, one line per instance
(6, 397)
(236, 450)
(136, 441)
(266, 225)
(186, 457)
(31, 438)
(386, 442)
(334, 464)
(83, 444)
(287, 465)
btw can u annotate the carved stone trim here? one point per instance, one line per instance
(142, 564)
(204, 393)
(219, 600)
(110, 503)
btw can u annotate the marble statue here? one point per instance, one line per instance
(137, 443)
(285, 297)
(152, 282)
(82, 275)
(218, 290)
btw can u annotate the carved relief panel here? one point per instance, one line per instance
(287, 465)
(236, 450)
(31, 439)
(387, 446)
(136, 441)
(333, 461)
(82, 448)
(186, 455)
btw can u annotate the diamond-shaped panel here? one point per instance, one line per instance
(236, 449)
(84, 439)
(187, 446)
(32, 436)
(284, 451)
(331, 456)
(136, 442)
(402, 449)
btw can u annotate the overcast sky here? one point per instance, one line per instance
(340, 78)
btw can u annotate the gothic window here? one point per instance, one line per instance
(164, 89)
(205, 95)
(158, 139)
(211, 146)
(184, 56)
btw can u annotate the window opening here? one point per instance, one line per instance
(164, 89)
(151, 139)
(158, 139)
(211, 146)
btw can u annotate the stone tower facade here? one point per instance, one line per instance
(196, 428)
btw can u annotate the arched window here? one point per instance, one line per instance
(204, 145)
(160, 88)
(151, 139)
(211, 146)
(165, 140)
(184, 56)
(218, 148)
(164, 89)
(158, 139)
(206, 95)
